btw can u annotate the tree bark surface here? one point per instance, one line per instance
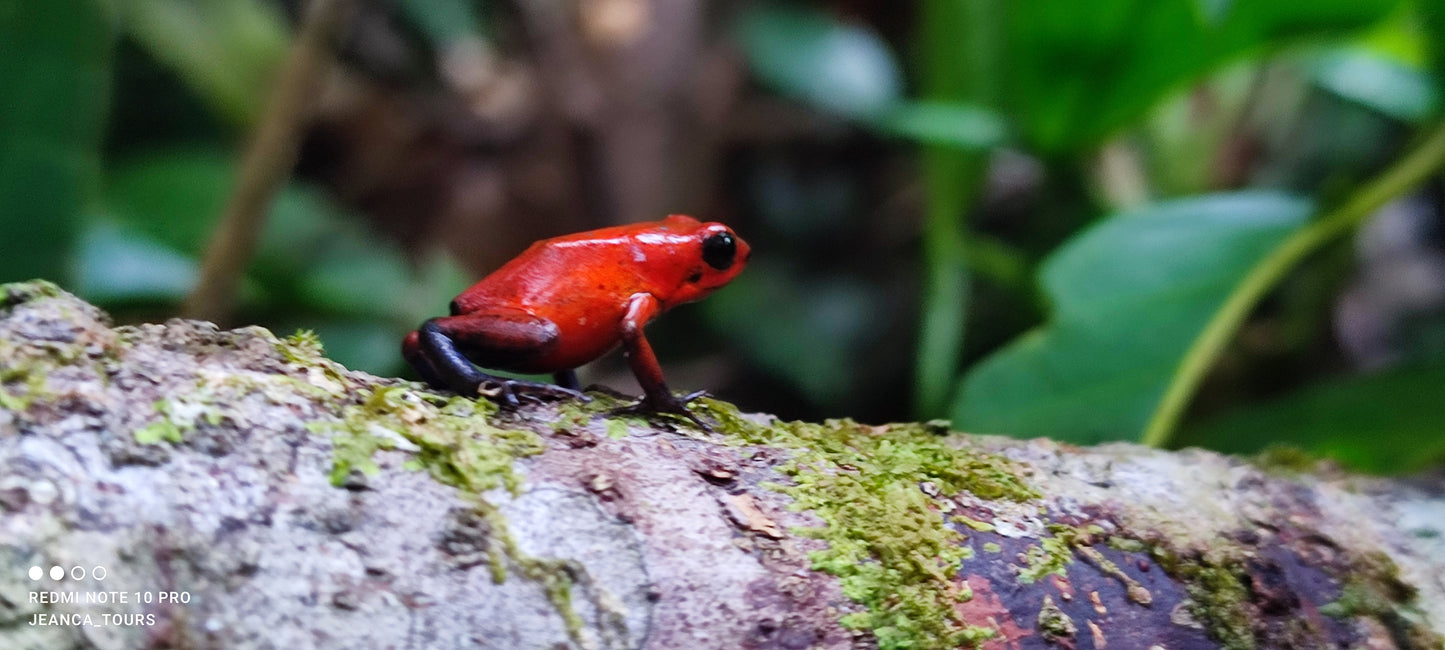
(240, 490)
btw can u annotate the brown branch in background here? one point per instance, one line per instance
(1241, 150)
(267, 163)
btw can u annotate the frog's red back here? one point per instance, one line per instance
(583, 281)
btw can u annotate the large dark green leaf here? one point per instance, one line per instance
(1080, 70)
(1388, 422)
(56, 68)
(1129, 296)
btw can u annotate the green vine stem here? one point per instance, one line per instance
(959, 63)
(1398, 179)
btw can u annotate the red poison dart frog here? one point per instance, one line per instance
(567, 301)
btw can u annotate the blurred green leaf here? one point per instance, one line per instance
(310, 255)
(936, 123)
(1081, 70)
(359, 344)
(56, 66)
(962, 62)
(436, 281)
(225, 50)
(174, 197)
(811, 56)
(115, 264)
(350, 274)
(381, 296)
(303, 221)
(1130, 294)
(1214, 11)
(444, 21)
(1388, 86)
(1387, 422)
(811, 338)
(1432, 24)
(1402, 36)
(1183, 147)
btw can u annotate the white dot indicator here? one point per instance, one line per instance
(36, 572)
(57, 573)
(98, 573)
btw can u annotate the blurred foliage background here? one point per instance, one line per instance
(1187, 222)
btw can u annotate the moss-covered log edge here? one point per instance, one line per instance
(877, 489)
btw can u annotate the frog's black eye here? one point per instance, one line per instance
(718, 250)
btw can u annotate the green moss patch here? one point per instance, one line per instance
(880, 491)
(451, 437)
(22, 377)
(1051, 556)
(1054, 625)
(1285, 460)
(24, 367)
(1218, 597)
(1375, 590)
(182, 414)
(554, 575)
(158, 431)
(15, 293)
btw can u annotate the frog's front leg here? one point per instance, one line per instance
(657, 398)
(443, 351)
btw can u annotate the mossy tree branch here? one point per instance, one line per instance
(298, 503)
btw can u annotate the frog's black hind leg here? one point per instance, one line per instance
(435, 350)
(567, 379)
